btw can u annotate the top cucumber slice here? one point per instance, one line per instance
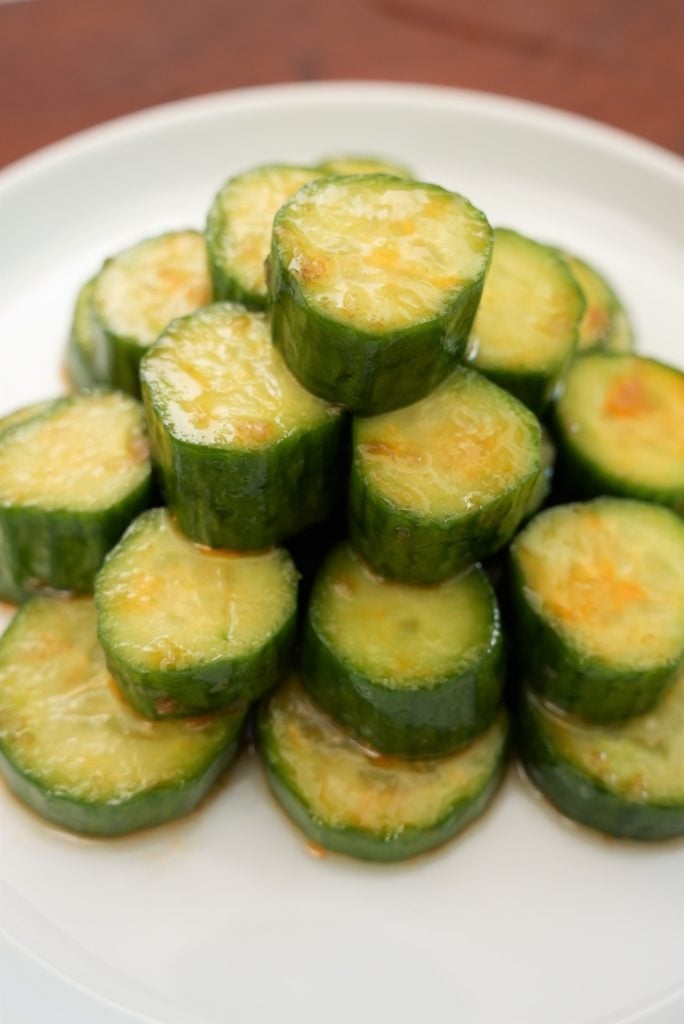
(73, 750)
(599, 592)
(605, 324)
(138, 292)
(526, 329)
(186, 629)
(344, 165)
(620, 429)
(239, 229)
(415, 671)
(444, 482)
(350, 799)
(624, 778)
(374, 283)
(247, 456)
(71, 480)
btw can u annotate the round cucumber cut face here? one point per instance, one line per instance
(603, 317)
(85, 453)
(415, 671)
(625, 778)
(239, 229)
(187, 629)
(141, 290)
(620, 424)
(247, 455)
(345, 165)
(526, 328)
(600, 592)
(348, 798)
(74, 750)
(375, 282)
(73, 473)
(443, 482)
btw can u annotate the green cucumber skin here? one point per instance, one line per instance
(566, 677)
(250, 499)
(405, 546)
(118, 358)
(367, 373)
(431, 722)
(534, 389)
(81, 370)
(162, 694)
(81, 362)
(225, 286)
(43, 549)
(585, 799)
(364, 845)
(143, 810)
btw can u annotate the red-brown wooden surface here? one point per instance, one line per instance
(68, 64)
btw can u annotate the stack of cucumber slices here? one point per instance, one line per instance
(355, 475)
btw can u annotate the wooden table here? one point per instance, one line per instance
(68, 64)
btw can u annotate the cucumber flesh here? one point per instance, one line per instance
(600, 597)
(620, 428)
(73, 750)
(187, 629)
(347, 798)
(626, 779)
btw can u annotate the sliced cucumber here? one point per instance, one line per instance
(626, 779)
(345, 165)
(82, 352)
(71, 480)
(599, 595)
(247, 455)
(605, 323)
(239, 229)
(620, 429)
(414, 671)
(526, 328)
(444, 482)
(542, 488)
(74, 751)
(375, 282)
(138, 292)
(350, 799)
(186, 629)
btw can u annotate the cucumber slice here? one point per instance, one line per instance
(139, 292)
(375, 282)
(74, 751)
(444, 482)
(413, 671)
(605, 323)
(626, 778)
(71, 480)
(620, 429)
(345, 165)
(542, 487)
(186, 629)
(599, 596)
(526, 328)
(350, 799)
(82, 353)
(247, 455)
(239, 229)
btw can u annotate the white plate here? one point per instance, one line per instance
(525, 920)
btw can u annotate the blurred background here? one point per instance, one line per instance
(68, 64)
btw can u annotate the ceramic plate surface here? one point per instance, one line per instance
(227, 915)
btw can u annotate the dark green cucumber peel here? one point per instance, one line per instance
(244, 498)
(582, 795)
(570, 677)
(364, 371)
(59, 801)
(584, 471)
(83, 350)
(429, 718)
(379, 845)
(407, 544)
(59, 548)
(161, 692)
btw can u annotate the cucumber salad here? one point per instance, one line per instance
(355, 477)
